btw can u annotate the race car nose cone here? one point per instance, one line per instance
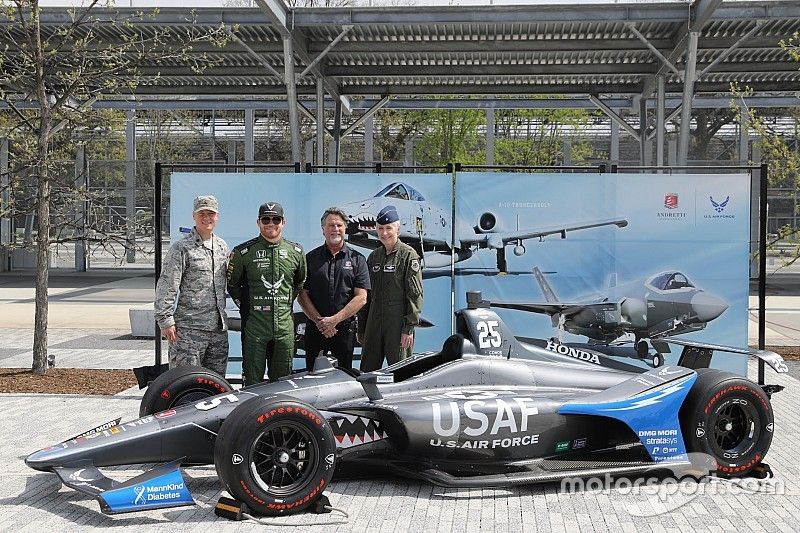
(707, 307)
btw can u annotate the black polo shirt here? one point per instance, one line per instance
(331, 280)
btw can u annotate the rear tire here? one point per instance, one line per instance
(276, 455)
(181, 385)
(729, 418)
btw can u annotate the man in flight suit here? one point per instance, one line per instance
(264, 276)
(395, 299)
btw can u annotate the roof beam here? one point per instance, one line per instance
(368, 113)
(699, 14)
(327, 49)
(278, 13)
(614, 116)
(252, 53)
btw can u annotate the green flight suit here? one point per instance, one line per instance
(263, 280)
(393, 306)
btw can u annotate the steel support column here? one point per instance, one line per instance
(5, 222)
(369, 152)
(688, 94)
(660, 122)
(320, 121)
(744, 135)
(643, 131)
(337, 133)
(82, 185)
(130, 186)
(291, 96)
(490, 136)
(249, 137)
(613, 153)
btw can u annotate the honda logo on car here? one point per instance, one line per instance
(562, 349)
(483, 418)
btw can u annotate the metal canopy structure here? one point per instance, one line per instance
(602, 50)
(531, 49)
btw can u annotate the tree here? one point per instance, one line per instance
(63, 67)
(779, 151)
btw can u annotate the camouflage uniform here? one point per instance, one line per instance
(264, 279)
(194, 275)
(393, 307)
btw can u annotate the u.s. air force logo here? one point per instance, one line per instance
(273, 288)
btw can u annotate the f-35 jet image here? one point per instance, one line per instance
(662, 305)
(427, 227)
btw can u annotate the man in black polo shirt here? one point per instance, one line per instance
(335, 289)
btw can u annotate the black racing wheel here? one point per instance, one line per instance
(181, 385)
(729, 418)
(275, 454)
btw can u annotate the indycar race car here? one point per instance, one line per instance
(488, 410)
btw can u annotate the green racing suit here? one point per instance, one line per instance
(264, 279)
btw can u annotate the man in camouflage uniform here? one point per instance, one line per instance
(395, 298)
(194, 274)
(265, 275)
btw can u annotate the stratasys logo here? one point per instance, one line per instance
(576, 353)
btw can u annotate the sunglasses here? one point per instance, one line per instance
(274, 220)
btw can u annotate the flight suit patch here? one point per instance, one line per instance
(376, 268)
(415, 265)
(389, 268)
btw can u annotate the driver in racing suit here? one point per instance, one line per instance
(265, 275)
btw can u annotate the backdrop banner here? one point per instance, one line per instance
(653, 256)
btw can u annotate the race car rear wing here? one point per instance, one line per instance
(698, 354)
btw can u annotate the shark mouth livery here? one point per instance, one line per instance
(487, 410)
(351, 430)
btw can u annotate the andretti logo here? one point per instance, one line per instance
(671, 206)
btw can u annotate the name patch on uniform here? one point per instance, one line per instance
(388, 268)
(376, 268)
(283, 253)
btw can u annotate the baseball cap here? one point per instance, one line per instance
(207, 202)
(270, 209)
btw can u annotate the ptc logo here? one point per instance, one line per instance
(237, 459)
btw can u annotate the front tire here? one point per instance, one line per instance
(729, 418)
(181, 385)
(276, 455)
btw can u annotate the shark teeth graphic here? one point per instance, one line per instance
(352, 430)
(364, 221)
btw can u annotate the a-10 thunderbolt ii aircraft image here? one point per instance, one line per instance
(651, 309)
(427, 228)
